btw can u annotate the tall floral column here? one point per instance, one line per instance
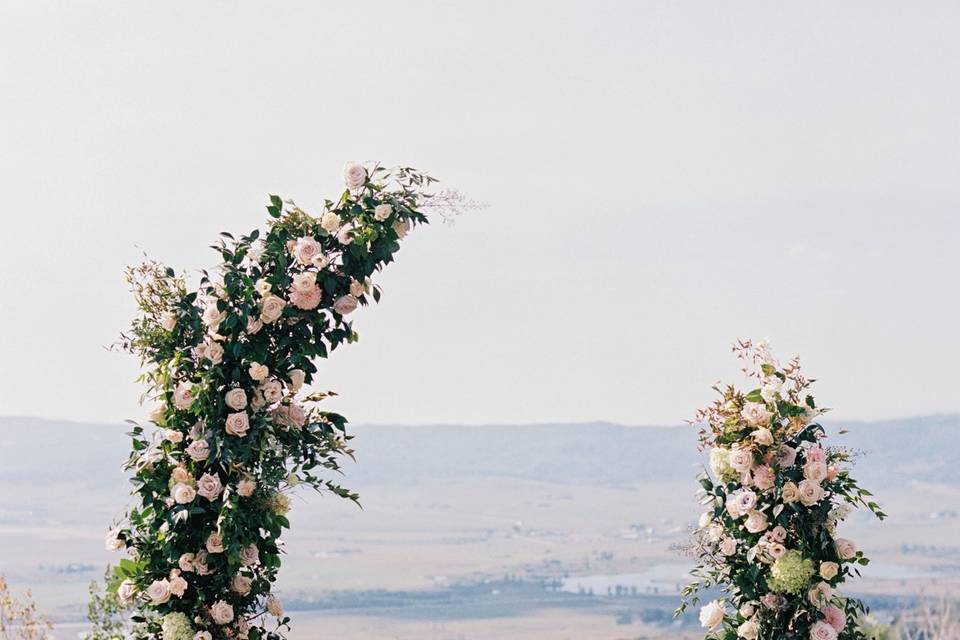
(775, 495)
(226, 365)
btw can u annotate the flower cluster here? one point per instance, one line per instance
(226, 366)
(775, 495)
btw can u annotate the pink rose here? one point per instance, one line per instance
(221, 612)
(306, 300)
(345, 305)
(777, 534)
(345, 235)
(846, 549)
(127, 591)
(763, 478)
(209, 486)
(249, 555)
(756, 414)
(272, 391)
(402, 228)
(728, 546)
(274, 607)
(159, 591)
(382, 211)
(820, 594)
(183, 493)
(186, 562)
(741, 459)
(810, 492)
(246, 487)
(183, 396)
(822, 631)
(198, 450)
(306, 250)
(271, 309)
(835, 617)
(816, 454)
(746, 501)
(756, 522)
(238, 424)
(787, 456)
(178, 586)
(354, 175)
(241, 585)
(815, 471)
(215, 543)
(258, 372)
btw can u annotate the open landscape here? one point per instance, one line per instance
(485, 532)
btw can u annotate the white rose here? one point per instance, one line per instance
(183, 493)
(771, 388)
(846, 549)
(258, 372)
(401, 227)
(306, 250)
(728, 546)
(159, 591)
(297, 378)
(829, 570)
(749, 630)
(712, 615)
(345, 305)
(236, 399)
(238, 424)
(127, 591)
(263, 287)
(271, 309)
(747, 610)
(221, 612)
(354, 175)
(762, 436)
(198, 450)
(209, 486)
(705, 519)
(382, 211)
(756, 522)
(113, 542)
(168, 321)
(330, 222)
(202, 635)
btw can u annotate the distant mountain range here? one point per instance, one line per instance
(87, 457)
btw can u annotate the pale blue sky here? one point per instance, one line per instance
(663, 177)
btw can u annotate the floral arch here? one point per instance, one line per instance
(226, 365)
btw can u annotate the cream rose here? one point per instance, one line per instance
(401, 228)
(820, 594)
(749, 630)
(271, 309)
(112, 542)
(263, 287)
(209, 486)
(382, 211)
(127, 591)
(728, 546)
(790, 492)
(213, 352)
(815, 471)
(356, 288)
(304, 281)
(172, 435)
(741, 459)
(221, 612)
(159, 591)
(297, 378)
(829, 570)
(330, 222)
(345, 235)
(756, 522)
(354, 175)
(809, 492)
(762, 436)
(214, 543)
(238, 424)
(183, 493)
(345, 305)
(178, 586)
(236, 399)
(712, 615)
(202, 635)
(258, 372)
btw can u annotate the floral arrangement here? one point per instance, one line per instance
(775, 495)
(226, 366)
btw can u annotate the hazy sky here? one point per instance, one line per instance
(663, 177)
